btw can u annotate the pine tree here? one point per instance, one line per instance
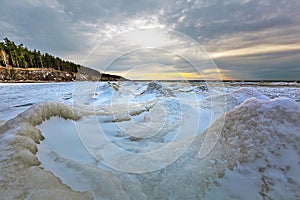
(19, 56)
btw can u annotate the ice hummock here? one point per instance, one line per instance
(159, 89)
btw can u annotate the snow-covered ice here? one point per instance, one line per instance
(140, 140)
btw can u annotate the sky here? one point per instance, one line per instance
(169, 39)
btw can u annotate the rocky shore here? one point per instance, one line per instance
(9, 74)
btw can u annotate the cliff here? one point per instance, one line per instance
(9, 74)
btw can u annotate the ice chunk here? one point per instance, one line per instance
(159, 89)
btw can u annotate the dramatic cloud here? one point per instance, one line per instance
(248, 39)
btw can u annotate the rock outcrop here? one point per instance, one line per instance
(10, 74)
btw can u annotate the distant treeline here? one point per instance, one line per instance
(19, 56)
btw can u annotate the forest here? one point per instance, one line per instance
(19, 56)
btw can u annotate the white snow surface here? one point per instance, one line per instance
(53, 151)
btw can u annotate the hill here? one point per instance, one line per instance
(18, 63)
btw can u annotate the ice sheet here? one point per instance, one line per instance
(257, 151)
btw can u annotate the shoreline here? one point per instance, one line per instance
(46, 75)
(212, 83)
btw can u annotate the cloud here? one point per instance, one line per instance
(216, 18)
(257, 50)
(39, 24)
(252, 35)
(150, 48)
